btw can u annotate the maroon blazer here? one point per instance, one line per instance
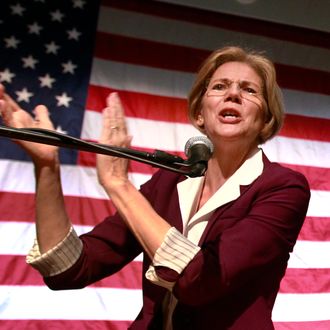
(233, 281)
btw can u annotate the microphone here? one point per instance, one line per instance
(198, 150)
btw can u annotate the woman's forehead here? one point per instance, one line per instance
(238, 71)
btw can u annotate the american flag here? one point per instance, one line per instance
(69, 55)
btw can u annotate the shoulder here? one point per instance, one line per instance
(162, 180)
(284, 183)
(276, 172)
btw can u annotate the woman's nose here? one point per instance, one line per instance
(233, 92)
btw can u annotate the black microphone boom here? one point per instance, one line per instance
(194, 166)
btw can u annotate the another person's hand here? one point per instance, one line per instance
(112, 171)
(14, 116)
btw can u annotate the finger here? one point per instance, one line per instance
(116, 113)
(6, 113)
(41, 113)
(106, 124)
(2, 107)
(42, 117)
(11, 103)
(2, 90)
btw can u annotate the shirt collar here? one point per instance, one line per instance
(189, 189)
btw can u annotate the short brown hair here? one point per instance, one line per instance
(273, 103)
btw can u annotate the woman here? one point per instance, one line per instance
(215, 247)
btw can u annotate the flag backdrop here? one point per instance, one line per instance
(69, 55)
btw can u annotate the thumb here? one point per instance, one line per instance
(41, 114)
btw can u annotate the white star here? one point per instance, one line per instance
(57, 16)
(34, 28)
(63, 99)
(17, 9)
(46, 81)
(68, 67)
(6, 75)
(24, 95)
(73, 34)
(29, 62)
(78, 3)
(52, 48)
(11, 42)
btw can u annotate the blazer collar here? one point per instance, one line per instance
(189, 189)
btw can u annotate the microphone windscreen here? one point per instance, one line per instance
(195, 140)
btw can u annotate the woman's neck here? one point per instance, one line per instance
(225, 161)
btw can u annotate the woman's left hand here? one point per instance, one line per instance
(111, 170)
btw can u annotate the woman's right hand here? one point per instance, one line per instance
(16, 117)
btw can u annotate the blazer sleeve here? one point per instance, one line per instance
(110, 245)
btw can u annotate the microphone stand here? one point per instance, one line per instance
(158, 158)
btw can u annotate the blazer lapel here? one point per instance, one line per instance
(234, 187)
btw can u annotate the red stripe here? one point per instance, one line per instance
(305, 281)
(140, 105)
(156, 54)
(303, 79)
(149, 53)
(89, 212)
(315, 229)
(174, 110)
(123, 325)
(309, 128)
(306, 325)
(318, 177)
(15, 271)
(231, 22)
(63, 324)
(81, 210)
(89, 159)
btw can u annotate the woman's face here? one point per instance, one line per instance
(232, 107)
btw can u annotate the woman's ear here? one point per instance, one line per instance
(200, 121)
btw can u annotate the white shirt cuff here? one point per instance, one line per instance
(59, 258)
(175, 253)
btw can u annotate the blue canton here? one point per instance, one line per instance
(46, 58)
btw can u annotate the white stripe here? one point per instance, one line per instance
(156, 28)
(319, 205)
(81, 181)
(173, 136)
(298, 151)
(18, 176)
(306, 104)
(16, 238)
(39, 302)
(310, 254)
(34, 302)
(301, 307)
(146, 133)
(142, 79)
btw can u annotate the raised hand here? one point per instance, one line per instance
(113, 170)
(14, 116)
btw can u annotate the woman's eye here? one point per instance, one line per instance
(219, 87)
(249, 90)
